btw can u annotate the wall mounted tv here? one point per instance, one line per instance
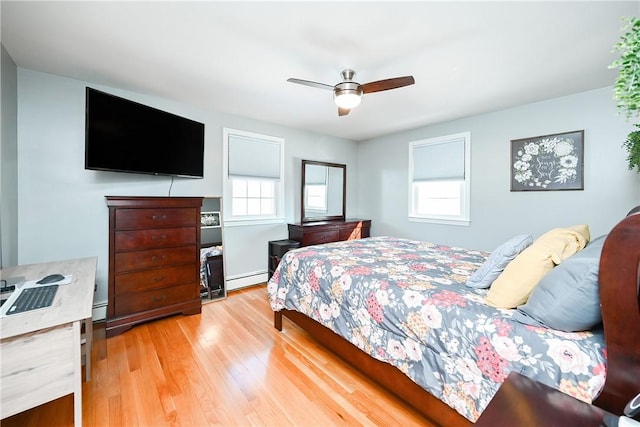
(124, 136)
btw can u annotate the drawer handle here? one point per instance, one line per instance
(155, 258)
(161, 237)
(160, 299)
(157, 279)
(159, 217)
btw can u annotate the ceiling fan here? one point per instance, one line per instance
(347, 94)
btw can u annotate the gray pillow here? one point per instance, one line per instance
(489, 271)
(567, 298)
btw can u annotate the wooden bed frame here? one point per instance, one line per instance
(619, 278)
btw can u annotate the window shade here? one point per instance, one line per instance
(315, 175)
(254, 158)
(439, 161)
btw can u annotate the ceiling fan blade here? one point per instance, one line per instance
(310, 83)
(343, 111)
(387, 84)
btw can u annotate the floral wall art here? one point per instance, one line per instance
(548, 162)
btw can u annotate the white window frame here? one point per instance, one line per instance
(464, 219)
(227, 191)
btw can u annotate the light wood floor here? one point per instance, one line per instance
(227, 366)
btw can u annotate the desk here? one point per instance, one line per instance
(41, 350)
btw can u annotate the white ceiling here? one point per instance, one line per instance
(235, 57)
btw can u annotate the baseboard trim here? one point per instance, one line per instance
(245, 280)
(99, 311)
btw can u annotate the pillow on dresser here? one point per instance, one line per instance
(514, 285)
(494, 265)
(568, 297)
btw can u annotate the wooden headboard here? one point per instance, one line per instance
(619, 279)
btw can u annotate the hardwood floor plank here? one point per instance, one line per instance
(115, 413)
(227, 366)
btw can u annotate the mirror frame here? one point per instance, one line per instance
(303, 217)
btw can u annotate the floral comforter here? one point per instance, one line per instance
(404, 302)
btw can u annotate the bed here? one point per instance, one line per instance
(400, 312)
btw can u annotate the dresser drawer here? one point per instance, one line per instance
(157, 298)
(155, 238)
(313, 233)
(153, 218)
(129, 261)
(350, 234)
(155, 278)
(320, 237)
(355, 232)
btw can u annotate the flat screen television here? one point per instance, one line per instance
(125, 136)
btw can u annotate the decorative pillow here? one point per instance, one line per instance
(489, 271)
(568, 297)
(514, 285)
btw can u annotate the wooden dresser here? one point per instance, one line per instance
(154, 259)
(313, 233)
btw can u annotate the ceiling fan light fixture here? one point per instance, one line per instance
(349, 97)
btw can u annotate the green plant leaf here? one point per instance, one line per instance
(632, 144)
(627, 86)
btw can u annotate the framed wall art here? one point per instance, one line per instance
(548, 162)
(210, 219)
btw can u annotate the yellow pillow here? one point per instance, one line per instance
(514, 285)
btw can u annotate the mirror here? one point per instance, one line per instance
(323, 191)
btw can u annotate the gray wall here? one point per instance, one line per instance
(62, 209)
(610, 189)
(9, 162)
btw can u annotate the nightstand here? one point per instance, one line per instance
(521, 401)
(277, 249)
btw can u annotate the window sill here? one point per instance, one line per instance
(444, 221)
(256, 221)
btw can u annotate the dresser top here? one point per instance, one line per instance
(335, 222)
(153, 201)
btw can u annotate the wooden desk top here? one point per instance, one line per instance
(72, 302)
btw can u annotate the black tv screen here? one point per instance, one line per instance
(125, 136)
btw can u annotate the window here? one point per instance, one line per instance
(316, 181)
(439, 179)
(316, 197)
(253, 171)
(253, 197)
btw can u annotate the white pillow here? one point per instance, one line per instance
(489, 271)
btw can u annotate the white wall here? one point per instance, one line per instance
(610, 189)
(61, 206)
(9, 162)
